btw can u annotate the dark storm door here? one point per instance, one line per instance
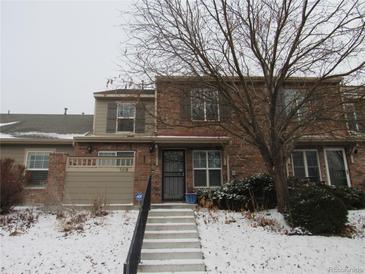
(173, 175)
(337, 168)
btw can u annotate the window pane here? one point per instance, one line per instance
(125, 154)
(214, 159)
(197, 106)
(211, 106)
(313, 173)
(311, 158)
(351, 117)
(37, 160)
(214, 177)
(199, 159)
(38, 177)
(298, 162)
(126, 125)
(126, 110)
(200, 178)
(312, 163)
(107, 153)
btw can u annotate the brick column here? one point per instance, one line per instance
(56, 177)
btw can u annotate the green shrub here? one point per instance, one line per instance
(252, 193)
(317, 210)
(351, 197)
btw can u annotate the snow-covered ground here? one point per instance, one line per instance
(101, 247)
(235, 243)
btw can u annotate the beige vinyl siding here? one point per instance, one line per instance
(101, 109)
(83, 187)
(18, 152)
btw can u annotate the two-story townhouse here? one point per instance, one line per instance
(177, 138)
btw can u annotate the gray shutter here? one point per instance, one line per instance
(140, 118)
(225, 109)
(111, 117)
(185, 104)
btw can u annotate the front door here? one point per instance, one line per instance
(337, 167)
(173, 174)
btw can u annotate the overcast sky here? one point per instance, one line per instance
(55, 54)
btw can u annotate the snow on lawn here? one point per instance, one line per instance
(232, 243)
(101, 248)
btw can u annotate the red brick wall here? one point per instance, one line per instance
(56, 178)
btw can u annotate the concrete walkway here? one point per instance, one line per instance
(171, 242)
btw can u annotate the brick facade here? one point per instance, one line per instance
(52, 193)
(239, 158)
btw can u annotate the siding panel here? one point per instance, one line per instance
(83, 187)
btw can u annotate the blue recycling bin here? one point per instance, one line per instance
(190, 198)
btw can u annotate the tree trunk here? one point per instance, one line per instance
(281, 186)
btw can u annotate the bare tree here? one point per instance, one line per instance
(226, 42)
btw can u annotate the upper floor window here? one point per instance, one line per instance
(293, 100)
(126, 116)
(37, 166)
(204, 105)
(353, 118)
(306, 164)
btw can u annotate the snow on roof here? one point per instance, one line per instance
(50, 135)
(8, 124)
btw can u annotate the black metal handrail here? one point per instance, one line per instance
(134, 253)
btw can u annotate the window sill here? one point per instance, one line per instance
(35, 187)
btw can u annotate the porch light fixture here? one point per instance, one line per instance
(151, 148)
(89, 148)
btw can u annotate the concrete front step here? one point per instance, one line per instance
(172, 206)
(175, 272)
(170, 243)
(159, 266)
(170, 226)
(171, 234)
(171, 253)
(169, 219)
(171, 212)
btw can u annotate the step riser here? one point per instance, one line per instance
(172, 255)
(178, 206)
(171, 235)
(171, 213)
(171, 268)
(170, 227)
(170, 220)
(171, 245)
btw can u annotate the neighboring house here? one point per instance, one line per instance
(168, 134)
(29, 139)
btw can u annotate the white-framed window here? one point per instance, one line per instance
(207, 168)
(336, 166)
(37, 166)
(126, 117)
(204, 105)
(293, 99)
(305, 164)
(127, 158)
